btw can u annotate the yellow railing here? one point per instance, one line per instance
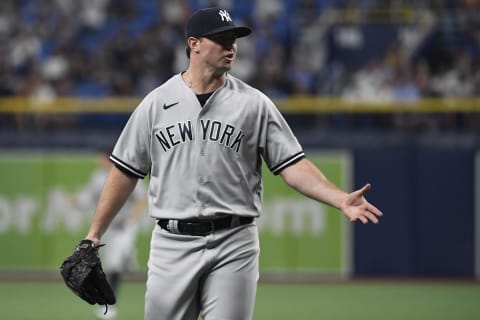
(68, 105)
(289, 105)
(332, 105)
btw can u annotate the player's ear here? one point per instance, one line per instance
(193, 44)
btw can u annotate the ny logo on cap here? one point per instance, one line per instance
(224, 15)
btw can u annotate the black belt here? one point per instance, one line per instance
(202, 227)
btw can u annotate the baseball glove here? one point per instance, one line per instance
(83, 274)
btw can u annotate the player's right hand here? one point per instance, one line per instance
(356, 207)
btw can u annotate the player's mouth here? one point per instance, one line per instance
(229, 57)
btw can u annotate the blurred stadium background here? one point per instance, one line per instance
(386, 92)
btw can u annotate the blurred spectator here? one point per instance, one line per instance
(421, 74)
(402, 81)
(301, 77)
(372, 84)
(456, 81)
(269, 76)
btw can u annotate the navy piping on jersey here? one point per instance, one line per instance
(127, 168)
(293, 159)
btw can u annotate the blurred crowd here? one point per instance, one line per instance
(98, 48)
(125, 48)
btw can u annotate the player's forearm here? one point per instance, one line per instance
(116, 191)
(307, 179)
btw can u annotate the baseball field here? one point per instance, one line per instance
(357, 300)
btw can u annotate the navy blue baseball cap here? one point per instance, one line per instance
(210, 21)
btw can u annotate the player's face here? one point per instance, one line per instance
(219, 50)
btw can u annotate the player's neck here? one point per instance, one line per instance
(203, 82)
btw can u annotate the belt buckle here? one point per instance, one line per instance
(172, 226)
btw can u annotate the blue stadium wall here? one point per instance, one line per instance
(426, 189)
(425, 185)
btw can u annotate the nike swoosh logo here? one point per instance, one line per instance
(168, 106)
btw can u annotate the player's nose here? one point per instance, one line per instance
(229, 47)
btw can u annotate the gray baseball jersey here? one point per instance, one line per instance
(205, 161)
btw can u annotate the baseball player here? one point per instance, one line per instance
(119, 256)
(201, 137)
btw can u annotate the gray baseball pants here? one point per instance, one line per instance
(214, 276)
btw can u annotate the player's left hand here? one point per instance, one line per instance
(356, 207)
(83, 274)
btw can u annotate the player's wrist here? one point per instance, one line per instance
(94, 239)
